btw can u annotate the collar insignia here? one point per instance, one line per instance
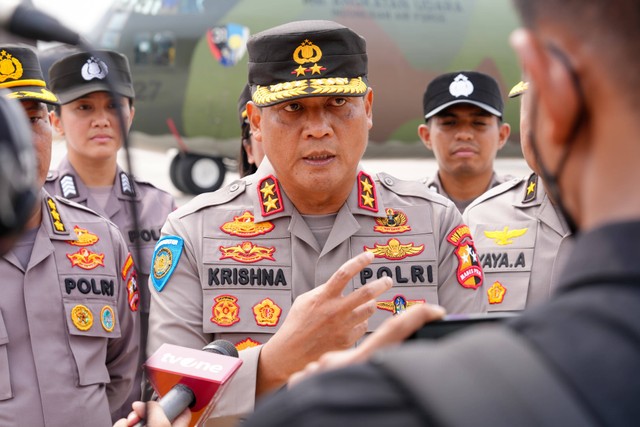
(496, 293)
(82, 317)
(394, 250)
(367, 193)
(85, 237)
(307, 53)
(244, 226)
(225, 310)
(398, 304)
(10, 67)
(107, 318)
(271, 199)
(267, 313)
(247, 252)
(393, 222)
(125, 185)
(68, 187)
(246, 343)
(532, 189)
(56, 219)
(505, 236)
(94, 68)
(86, 259)
(469, 271)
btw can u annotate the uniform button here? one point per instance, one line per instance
(234, 187)
(388, 181)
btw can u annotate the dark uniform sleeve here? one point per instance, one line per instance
(123, 352)
(356, 396)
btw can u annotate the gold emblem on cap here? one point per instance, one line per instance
(10, 67)
(307, 53)
(82, 317)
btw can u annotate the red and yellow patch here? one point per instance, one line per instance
(133, 293)
(394, 250)
(469, 271)
(393, 222)
(128, 265)
(367, 193)
(225, 310)
(496, 293)
(82, 317)
(270, 196)
(247, 252)
(247, 343)
(267, 313)
(86, 259)
(398, 304)
(244, 226)
(85, 237)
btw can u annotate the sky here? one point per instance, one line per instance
(78, 15)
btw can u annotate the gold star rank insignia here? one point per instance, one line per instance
(367, 193)
(300, 71)
(56, 220)
(531, 189)
(271, 199)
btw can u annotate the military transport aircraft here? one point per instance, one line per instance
(189, 63)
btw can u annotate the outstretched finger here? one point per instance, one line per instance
(338, 281)
(398, 328)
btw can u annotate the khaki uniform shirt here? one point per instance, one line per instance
(230, 263)
(518, 234)
(152, 204)
(68, 336)
(435, 185)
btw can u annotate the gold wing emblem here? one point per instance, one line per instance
(505, 236)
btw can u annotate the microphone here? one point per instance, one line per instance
(26, 21)
(192, 377)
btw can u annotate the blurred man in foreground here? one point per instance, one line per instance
(574, 360)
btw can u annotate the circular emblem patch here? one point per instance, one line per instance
(82, 317)
(162, 263)
(107, 318)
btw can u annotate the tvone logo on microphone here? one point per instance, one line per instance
(190, 362)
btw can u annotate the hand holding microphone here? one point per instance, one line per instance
(194, 377)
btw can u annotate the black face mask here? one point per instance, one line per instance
(552, 181)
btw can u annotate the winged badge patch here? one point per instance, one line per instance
(505, 236)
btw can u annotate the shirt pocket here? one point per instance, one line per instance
(5, 378)
(507, 291)
(91, 323)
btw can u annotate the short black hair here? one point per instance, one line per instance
(611, 27)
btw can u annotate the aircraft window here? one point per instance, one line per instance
(155, 49)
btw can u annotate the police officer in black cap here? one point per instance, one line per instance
(90, 175)
(277, 262)
(464, 129)
(251, 152)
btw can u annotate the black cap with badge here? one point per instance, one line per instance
(82, 73)
(21, 75)
(463, 87)
(306, 58)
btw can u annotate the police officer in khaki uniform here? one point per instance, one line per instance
(251, 152)
(69, 337)
(464, 129)
(519, 232)
(89, 173)
(253, 262)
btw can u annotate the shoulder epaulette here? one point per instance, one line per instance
(531, 189)
(219, 197)
(411, 188)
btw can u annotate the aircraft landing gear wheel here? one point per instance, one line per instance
(195, 174)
